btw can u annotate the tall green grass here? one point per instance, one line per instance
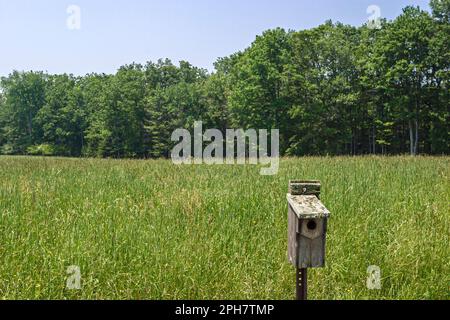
(153, 230)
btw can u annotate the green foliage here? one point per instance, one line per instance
(24, 96)
(62, 116)
(173, 101)
(402, 51)
(41, 150)
(441, 10)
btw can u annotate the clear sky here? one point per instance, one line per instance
(35, 35)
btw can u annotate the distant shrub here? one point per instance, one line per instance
(41, 150)
(7, 149)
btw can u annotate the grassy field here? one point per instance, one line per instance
(153, 230)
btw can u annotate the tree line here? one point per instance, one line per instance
(331, 90)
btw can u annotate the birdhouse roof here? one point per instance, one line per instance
(307, 207)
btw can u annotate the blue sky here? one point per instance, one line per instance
(35, 35)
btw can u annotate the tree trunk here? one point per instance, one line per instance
(416, 122)
(29, 125)
(416, 142)
(411, 137)
(374, 140)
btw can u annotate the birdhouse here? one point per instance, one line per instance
(307, 219)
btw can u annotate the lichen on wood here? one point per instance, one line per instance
(307, 207)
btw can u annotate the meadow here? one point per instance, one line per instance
(153, 230)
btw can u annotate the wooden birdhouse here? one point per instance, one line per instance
(307, 219)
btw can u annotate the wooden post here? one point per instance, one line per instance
(307, 225)
(302, 283)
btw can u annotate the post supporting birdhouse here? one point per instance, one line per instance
(301, 284)
(307, 227)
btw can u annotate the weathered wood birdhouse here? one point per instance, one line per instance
(307, 225)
